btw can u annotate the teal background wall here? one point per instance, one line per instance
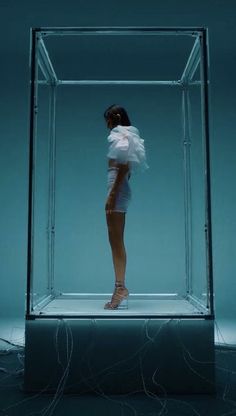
(17, 19)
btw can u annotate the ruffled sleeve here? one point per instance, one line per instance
(126, 145)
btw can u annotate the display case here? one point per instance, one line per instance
(160, 75)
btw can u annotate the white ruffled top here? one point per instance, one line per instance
(126, 145)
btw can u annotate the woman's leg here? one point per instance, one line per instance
(116, 225)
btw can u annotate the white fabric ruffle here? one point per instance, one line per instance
(126, 145)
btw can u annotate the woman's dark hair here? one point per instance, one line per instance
(113, 110)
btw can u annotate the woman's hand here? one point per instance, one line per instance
(110, 204)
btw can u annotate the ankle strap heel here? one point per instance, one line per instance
(119, 298)
(123, 303)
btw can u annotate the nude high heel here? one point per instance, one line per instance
(119, 298)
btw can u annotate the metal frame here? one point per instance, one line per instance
(39, 57)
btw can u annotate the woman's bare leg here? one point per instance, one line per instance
(116, 225)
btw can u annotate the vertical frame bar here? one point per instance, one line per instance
(51, 188)
(32, 134)
(187, 188)
(206, 146)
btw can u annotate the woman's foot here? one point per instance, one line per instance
(119, 298)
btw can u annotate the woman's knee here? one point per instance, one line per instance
(115, 238)
(118, 248)
(115, 229)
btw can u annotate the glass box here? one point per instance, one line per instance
(161, 76)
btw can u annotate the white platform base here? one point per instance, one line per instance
(89, 305)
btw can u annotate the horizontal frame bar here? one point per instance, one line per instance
(118, 82)
(155, 296)
(118, 30)
(102, 317)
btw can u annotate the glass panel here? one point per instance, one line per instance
(157, 245)
(151, 57)
(154, 233)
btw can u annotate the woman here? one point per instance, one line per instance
(126, 154)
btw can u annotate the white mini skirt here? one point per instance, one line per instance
(124, 192)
